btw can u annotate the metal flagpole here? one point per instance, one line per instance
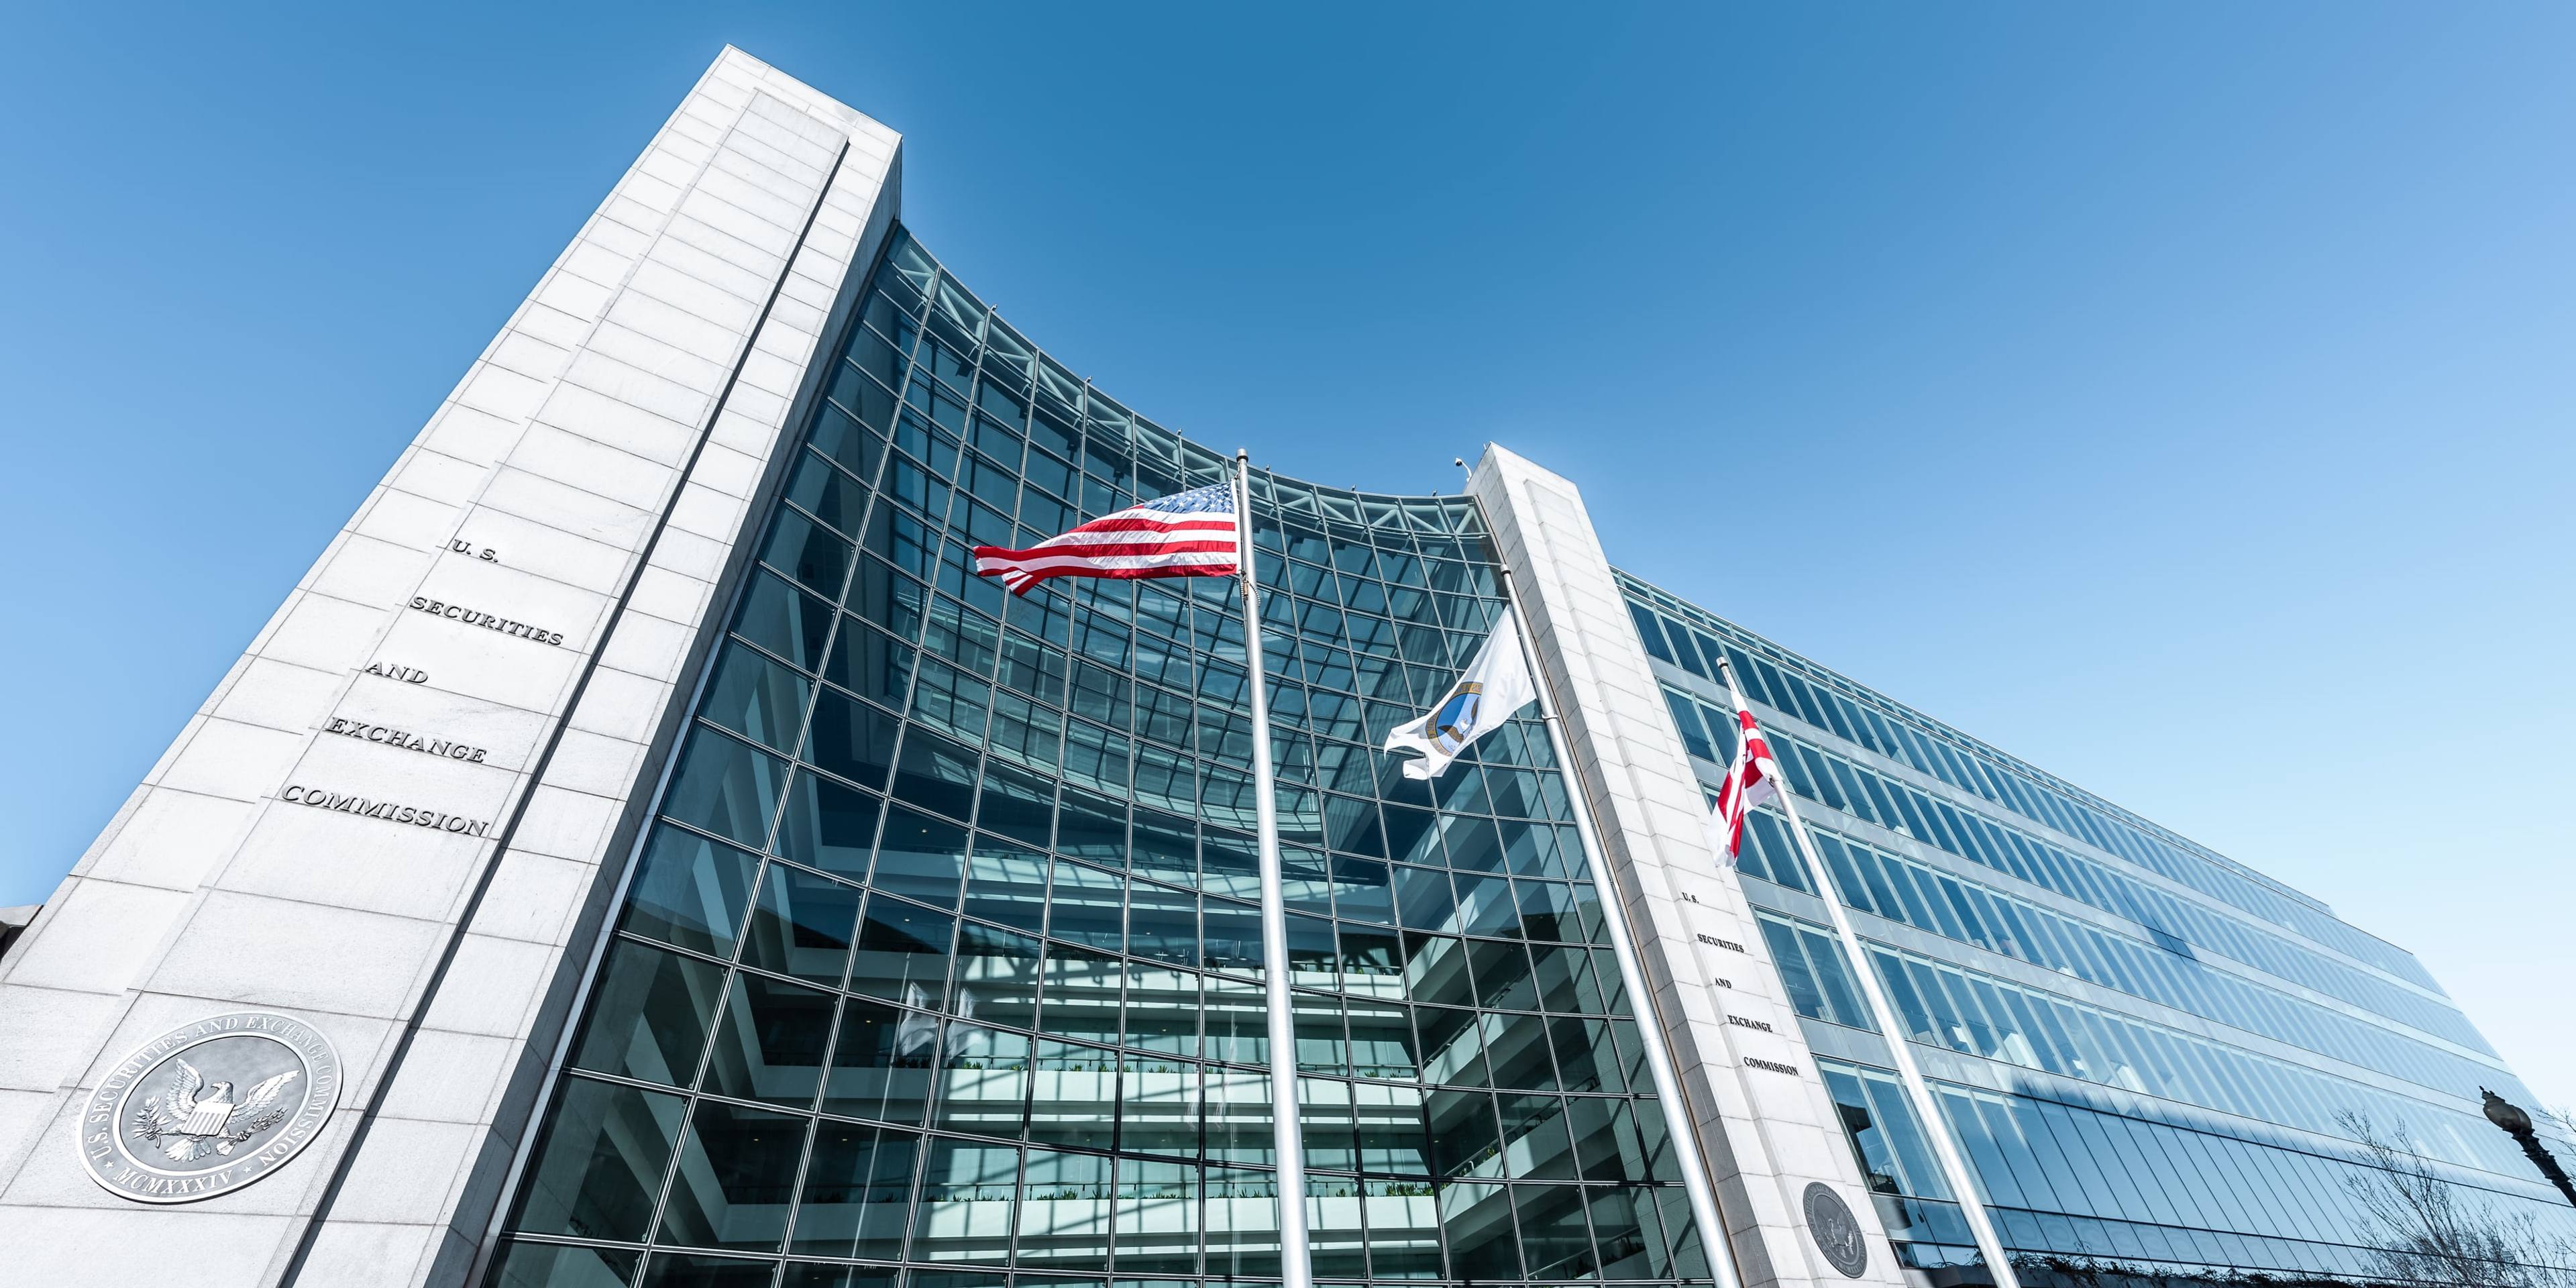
(1935, 1126)
(1294, 1251)
(1659, 1058)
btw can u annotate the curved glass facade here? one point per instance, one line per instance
(943, 959)
(942, 962)
(2155, 1060)
(813, 914)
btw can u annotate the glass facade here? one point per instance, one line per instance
(941, 963)
(942, 960)
(2156, 1060)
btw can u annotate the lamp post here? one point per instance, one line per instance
(2517, 1124)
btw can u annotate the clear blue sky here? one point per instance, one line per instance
(2177, 396)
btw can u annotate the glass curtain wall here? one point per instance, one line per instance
(942, 962)
(2105, 1132)
(1469, 1072)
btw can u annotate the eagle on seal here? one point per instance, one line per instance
(186, 1124)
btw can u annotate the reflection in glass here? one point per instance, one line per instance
(757, 698)
(550, 1265)
(601, 1164)
(1477, 1219)
(770, 1045)
(1336, 1232)
(920, 858)
(902, 953)
(1242, 1222)
(1239, 1117)
(1073, 1092)
(1162, 1009)
(649, 1020)
(1043, 944)
(696, 1270)
(856, 1189)
(801, 925)
(881, 1063)
(997, 975)
(1080, 994)
(1554, 1237)
(829, 826)
(690, 891)
(1157, 1217)
(1007, 884)
(968, 1193)
(735, 1177)
(983, 1082)
(726, 788)
(1064, 1210)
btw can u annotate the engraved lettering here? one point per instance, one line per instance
(488, 621)
(1772, 1065)
(390, 811)
(1727, 944)
(1741, 1022)
(386, 735)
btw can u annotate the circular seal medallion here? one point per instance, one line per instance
(1836, 1231)
(209, 1107)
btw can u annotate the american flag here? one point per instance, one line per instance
(1186, 534)
(1751, 780)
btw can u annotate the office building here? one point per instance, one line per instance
(642, 852)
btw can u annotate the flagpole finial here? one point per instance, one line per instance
(1243, 453)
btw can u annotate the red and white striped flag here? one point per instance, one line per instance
(1751, 780)
(1186, 534)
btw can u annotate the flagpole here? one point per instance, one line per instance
(1678, 1118)
(1936, 1127)
(1294, 1250)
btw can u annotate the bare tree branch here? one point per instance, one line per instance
(2428, 1230)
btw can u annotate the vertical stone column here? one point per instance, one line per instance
(388, 820)
(1761, 1113)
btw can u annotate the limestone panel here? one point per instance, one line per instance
(389, 818)
(1762, 1117)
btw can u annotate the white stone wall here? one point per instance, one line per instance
(605, 449)
(1768, 1129)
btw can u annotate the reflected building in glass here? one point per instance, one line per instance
(945, 949)
(917, 935)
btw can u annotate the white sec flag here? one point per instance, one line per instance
(1495, 685)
